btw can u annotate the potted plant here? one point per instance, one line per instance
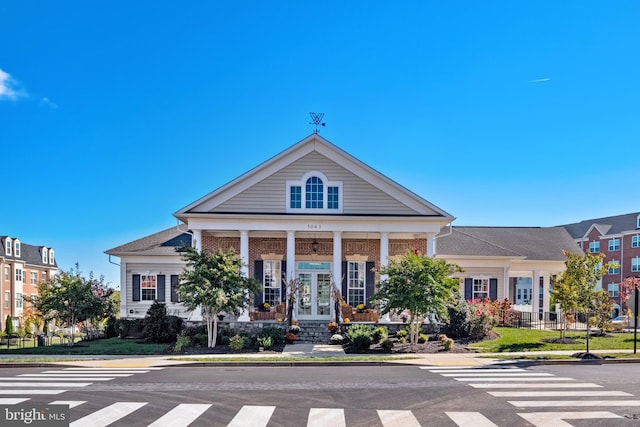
(404, 316)
(333, 326)
(290, 338)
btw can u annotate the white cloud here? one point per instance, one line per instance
(7, 87)
(46, 101)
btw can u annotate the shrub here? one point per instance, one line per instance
(360, 336)
(402, 333)
(422, 338)
(336, 339)
(379, 334)
(447, 344)
(236, 343)
(386, 345)
(200, 339)
(130, 328)
(276, 334)
(265, 342)
(225, 340)
(402, 340)
(459, 325)
(158, 326)
(192, 330)
(182, 342)
(111, 328)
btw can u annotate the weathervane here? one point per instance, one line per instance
(317, 120)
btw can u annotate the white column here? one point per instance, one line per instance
(384, 261)
(505, 285)
(535, 290)
(431, 245)
(244, 270)
(337, 266)
(291, 262)
(124, 311)
(546, 295)
(197, 240)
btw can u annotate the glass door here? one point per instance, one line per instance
(314, 295)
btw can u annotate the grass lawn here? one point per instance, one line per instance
(512, 339)
(109, 346)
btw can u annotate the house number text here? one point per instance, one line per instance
(314, 226)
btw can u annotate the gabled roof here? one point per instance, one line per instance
(29, 254)
(162, 243)
(614, 225)
(533, 243)
(313, 143)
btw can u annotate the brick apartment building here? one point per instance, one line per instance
(618, 238)
(22, 267)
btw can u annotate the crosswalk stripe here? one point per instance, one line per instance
(485, 371)
(12, 400)
(398, 418)
(182, 415)
(554, 419)
(54, 374)
(570, 393)
(449, 367)
(501, 375)
(20, 391)
(507, 379)
(535, 385)
(470, 419)
(252, 416)
(71, 403)
(108, 415)
(145, 369)
(320, 417)
(56, 378)
(92, 372)
(562, 403)
(42, 384)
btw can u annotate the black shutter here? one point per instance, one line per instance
(161, 290)
(136, 287)
(345, 274)
(493, 289)
(468, 289)
(257, 274)
(283, 288)
(370, 281)
(174, 284)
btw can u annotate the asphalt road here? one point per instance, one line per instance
(334, 396)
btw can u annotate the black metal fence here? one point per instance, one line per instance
(540, 320)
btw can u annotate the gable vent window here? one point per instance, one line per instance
(314, 193)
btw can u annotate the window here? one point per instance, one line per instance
(16, 248)
(18, 300)
(44, 276)
(613, 289)
(7, 272)
(635, 264)
(18, 275)
(8, 246)
(314, 193)
(614, 267)
(594, 247)
(635, 241)
(148, 288)
(34, 277)
(296, 197)
(45, 256)
(52, 258)
(614, 244)
(271, 278)
(480, 288)
(7, 299)
(356, 283)
(638, 222)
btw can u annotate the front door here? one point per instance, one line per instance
(314, 297)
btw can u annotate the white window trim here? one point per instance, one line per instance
(52, 259)
(635, 264)
(8, 245)
(17, 248)
(325, 194)
(155, 288)
(616, 247)
(613, 289)
(615, 270)
(482, 279)
(278, 280)
(594, 242)
(635, 244)
(45, 255)
(638, 221)
(361, 275)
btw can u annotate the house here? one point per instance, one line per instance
(618, 238)
(22, 266)
(316, 213)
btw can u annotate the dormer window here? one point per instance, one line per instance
(638, 222)
(9, 246)
(16, 247)
(45, 256)
(52, 258)
(314, 193)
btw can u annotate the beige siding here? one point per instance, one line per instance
(359, 196)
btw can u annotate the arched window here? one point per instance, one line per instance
(314, 193)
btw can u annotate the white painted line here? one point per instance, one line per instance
(42, 384)
(571, 393)
(554, 419)
(54, 374)
(114, 369)
(12, 400)
(398, 418)
(563, 403)
(108, 415)
(485, 371)
(55, 378)
(321, 417)
(536, 385)
(449, 367)
(507, 379)
(252, 416)
(182, 415)
(91, 372)
(501, 375)
(71, 403)
(16, 391)
(470, 419)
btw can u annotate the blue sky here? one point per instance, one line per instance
(114, 115)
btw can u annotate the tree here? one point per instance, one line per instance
(420, 284)
(602, 309)
(213, 282)
(69, 298)
(8, 328)
(574, 289)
